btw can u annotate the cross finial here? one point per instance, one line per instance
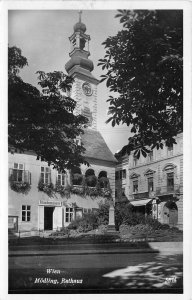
(80, 13)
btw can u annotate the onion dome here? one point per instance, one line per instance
(79, 61)
(79, 27)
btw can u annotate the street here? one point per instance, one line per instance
(122, 272)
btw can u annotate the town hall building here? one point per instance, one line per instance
(40, 197)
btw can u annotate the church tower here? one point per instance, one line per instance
(84, 89)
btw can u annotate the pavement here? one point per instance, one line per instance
(90, 249)
(101, 268)
(167, 247)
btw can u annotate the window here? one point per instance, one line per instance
(135, 186)
(61, 178)
(26, 213)
(124, 173)
(46, 175)
(18, 172)
(123, 192)
(68, 214)
(135, 161)
(150, 184)
(116, 175)
(170, 151)
(150, 156)
(170, 181)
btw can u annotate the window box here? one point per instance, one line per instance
(78, 190)
(47, 188)
(19, 179)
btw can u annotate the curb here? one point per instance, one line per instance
(91, 252)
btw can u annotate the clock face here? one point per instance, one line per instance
(87, 89)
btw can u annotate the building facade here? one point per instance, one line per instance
(41, 198)
(154, 184)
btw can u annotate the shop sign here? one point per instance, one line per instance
(48, 202)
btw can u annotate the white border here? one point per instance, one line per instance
(99, 5)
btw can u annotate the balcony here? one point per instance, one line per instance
(168, 190)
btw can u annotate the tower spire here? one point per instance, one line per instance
(80, 13)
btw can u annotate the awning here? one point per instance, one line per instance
(140, 202)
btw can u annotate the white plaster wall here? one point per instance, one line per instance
(16, 200)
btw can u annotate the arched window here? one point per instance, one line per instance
(102, 174)
(77, 177)
(89, 172)
(90, 178)
(76, 170)
(103, 180)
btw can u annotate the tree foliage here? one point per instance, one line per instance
(43, 121)
(144, 64)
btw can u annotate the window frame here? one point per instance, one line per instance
(150, 180)
(135, 191)
(69, 213)
(61, 181)
(26, 213)
(44, 173)
(170, 177)
(17, 170)
(135, 161)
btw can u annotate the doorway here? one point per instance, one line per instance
(48, 218)
(170, 213)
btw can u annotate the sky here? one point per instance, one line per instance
(42, 35)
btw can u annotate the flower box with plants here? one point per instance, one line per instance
(105, 187)
(78, 189)
(106, 192)
(47, 188)
(92, 191)
(19, 186)
(64, 191)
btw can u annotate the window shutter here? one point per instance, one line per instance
(14, 175)
(26, 176)
(10, 172)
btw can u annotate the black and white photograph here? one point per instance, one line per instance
(95, 110)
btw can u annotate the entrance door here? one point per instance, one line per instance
(48, 218)
(170, 214)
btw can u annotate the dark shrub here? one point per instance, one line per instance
(91, 180)
(84, 224)
(122, 212)
(102, 213)
(77, 179)
(104, 182)
(91, 220)
(156, 225)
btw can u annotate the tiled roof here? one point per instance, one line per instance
(96, 146)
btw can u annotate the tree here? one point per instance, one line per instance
(144, 64)
(43, 121)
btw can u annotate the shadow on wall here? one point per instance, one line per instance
(166, 272)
